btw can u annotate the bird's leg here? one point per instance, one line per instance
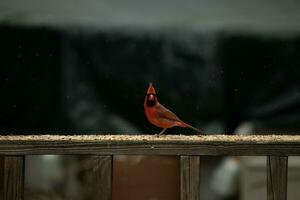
(162, 132)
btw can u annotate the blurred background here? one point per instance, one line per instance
(83, 67)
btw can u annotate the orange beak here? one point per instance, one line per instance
(151, 89)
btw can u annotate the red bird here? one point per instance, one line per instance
(160, 116)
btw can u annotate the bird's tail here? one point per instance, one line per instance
(193, 128)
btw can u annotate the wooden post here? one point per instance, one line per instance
(277, 177)
(190, 177)
(102, 170)
(13, 178)
(1, 176)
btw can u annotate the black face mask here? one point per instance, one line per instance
(151, 100)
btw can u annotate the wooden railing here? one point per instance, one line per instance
(190, 148)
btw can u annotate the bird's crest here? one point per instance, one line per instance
(151, 89)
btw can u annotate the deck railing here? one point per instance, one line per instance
(102, 148)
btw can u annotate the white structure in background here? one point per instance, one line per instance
(249, 175)
(254, 178)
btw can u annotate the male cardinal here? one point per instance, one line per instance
(160, 116)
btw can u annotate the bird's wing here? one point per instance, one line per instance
(163, 112)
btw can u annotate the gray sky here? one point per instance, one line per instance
(282, 16)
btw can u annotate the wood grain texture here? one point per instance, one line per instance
(276, 145)
(277, 177)
(13, 178)
(190, 177)
(102, 171)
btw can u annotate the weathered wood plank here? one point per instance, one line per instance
(102, 171)
(277, 177)
(13, 178)
(276, 145)
(190, 177)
